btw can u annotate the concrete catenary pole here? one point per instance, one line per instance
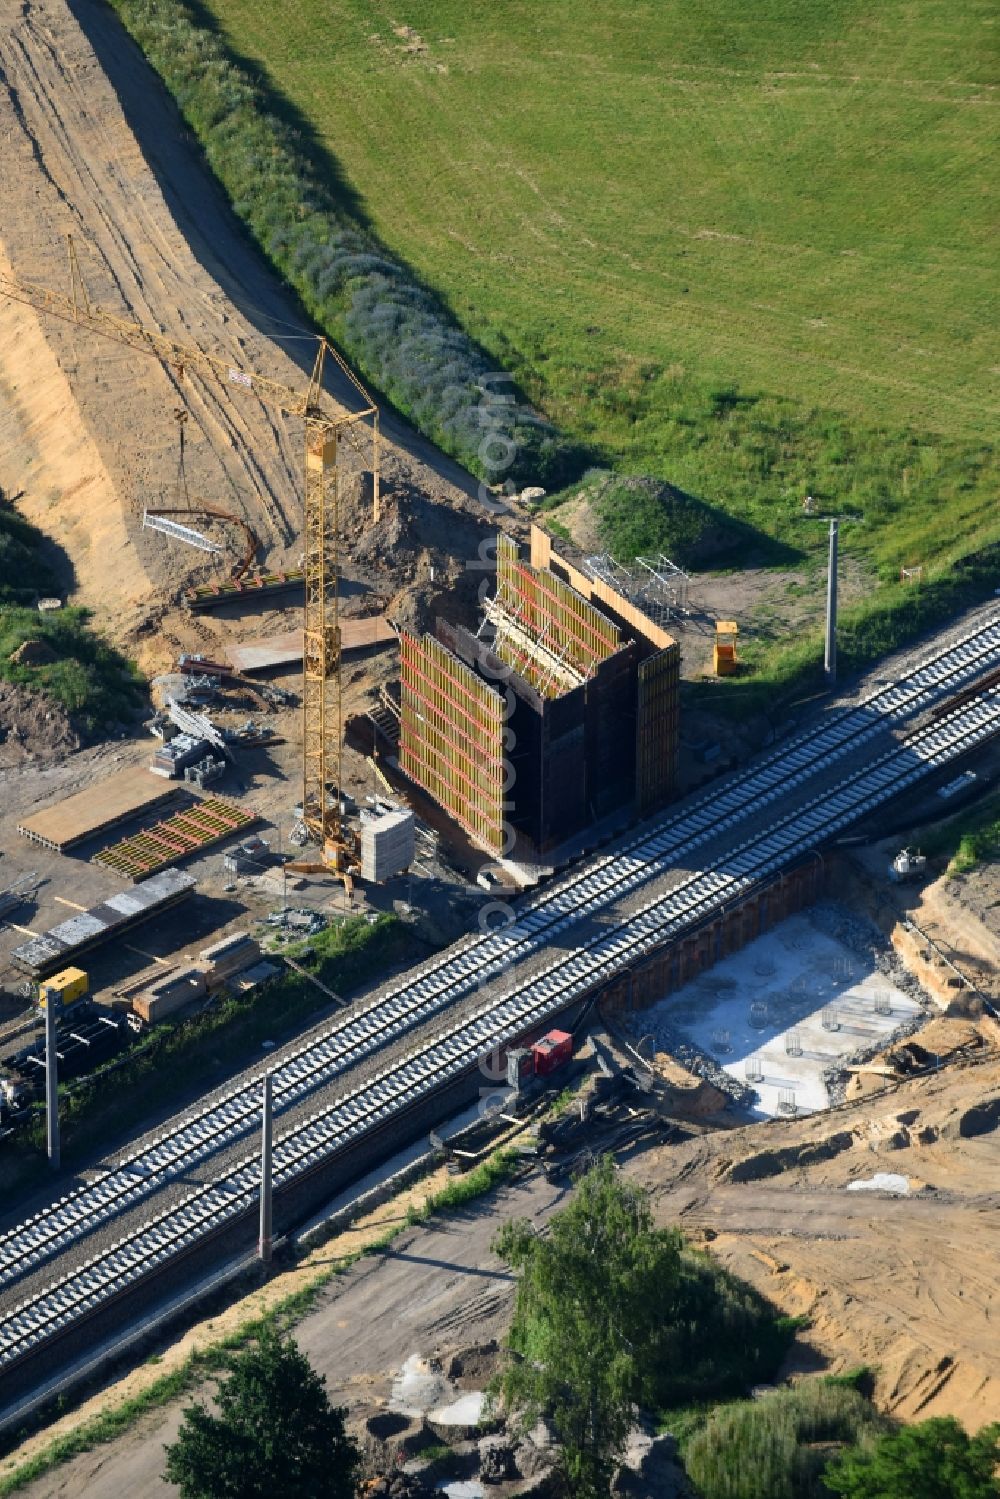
(264, 1242)
(51, 1081)
(830, 657)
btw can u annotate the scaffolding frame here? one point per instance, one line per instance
(544, 667)
(655, 585)
(545, 629)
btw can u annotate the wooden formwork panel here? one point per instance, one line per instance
(657, 727)
(452, 737)
(186, 833)
(86, 814)
(552, 611)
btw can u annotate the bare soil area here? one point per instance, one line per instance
(907, 1285)
(32, 726)
(88, 435)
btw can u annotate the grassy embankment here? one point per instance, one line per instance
(95, 684)
(748, 252)
(969, 838)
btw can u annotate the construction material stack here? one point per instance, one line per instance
(230, 955)
(172, 758)
(179, 987)
(388, 844)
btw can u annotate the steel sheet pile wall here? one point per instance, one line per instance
(451, 736)
(678, 962)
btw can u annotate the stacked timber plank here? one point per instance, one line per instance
(72, 821)
(186, 833)
(171, 992)
(229, 956)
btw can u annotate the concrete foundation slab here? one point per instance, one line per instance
(781, 1012)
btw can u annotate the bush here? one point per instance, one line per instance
(777, 1447)
(935, 1459)
(393, 330)
(637, 514)
(721, 1336)
(93, 682)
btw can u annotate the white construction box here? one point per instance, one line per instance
(388, 845)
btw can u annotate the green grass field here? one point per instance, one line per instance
(747, 249)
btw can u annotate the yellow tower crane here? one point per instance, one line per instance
(326, 428)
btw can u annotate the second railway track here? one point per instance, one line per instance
(208, 1209)
(479, 960)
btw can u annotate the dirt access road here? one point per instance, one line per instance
(907, 1285)
(439, 1287)
(93, 146)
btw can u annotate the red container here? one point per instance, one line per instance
(551, 1051)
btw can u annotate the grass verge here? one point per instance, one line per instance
(743, 251)
(970, 838)
(395, 332)
(182, 1055)
(775, 674)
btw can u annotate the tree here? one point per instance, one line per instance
(276, 1434)
(592, 1296)
(936, 1459)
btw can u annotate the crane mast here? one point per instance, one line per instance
(326, 430)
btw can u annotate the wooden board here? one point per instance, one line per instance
(77, 818)
(286, 649)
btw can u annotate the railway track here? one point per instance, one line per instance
(210, 1209)
(484, 959)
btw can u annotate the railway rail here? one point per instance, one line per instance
(478, 960)
(208, 1209)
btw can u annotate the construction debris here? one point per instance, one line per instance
(188, 832)
(198, 725)
(21, 890)
(298, 919)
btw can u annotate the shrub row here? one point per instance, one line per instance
(778, 1447)
(393, 330)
